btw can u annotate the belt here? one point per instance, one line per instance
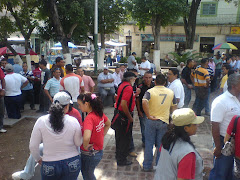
(89, 153)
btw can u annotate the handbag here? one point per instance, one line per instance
(120, 117)
(201, 91)
(229, 147)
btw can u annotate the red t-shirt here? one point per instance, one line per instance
(95, 124)
(127, 93)
(237, 135)
(2, 75)
(37, 73)
(187, 166)
(75, 113)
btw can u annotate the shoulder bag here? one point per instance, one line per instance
(229, 147)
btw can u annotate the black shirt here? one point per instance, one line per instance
(143, 88)
(186, 74)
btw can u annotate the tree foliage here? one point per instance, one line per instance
(168, 11)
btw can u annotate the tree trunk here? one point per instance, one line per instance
(65, 51)
(28, 57)
(190, 24)
(156, 28)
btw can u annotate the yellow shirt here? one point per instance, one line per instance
(200, 76)
(224, 79)
(160, 100)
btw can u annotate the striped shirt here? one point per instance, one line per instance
(53, 86)
(200, 76)
(26, 75)
(209, 69)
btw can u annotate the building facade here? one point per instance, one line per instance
(217, 22)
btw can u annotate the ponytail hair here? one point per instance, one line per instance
(173, 134)
(94, 101)
(56, 112)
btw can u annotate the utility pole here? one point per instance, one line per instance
(96, 36)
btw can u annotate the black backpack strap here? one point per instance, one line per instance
(120, 97)
(235, 125)
(130, 104)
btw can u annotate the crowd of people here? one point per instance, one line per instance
(69, 138)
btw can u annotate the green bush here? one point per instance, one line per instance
(185, 56)
(138, 59)
(123, 60)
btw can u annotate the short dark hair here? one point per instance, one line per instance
(24, 63)
(4, 59)
(144, 58)
(132, 70)
(43, 62)
(227, 66)
(230, 72)
(69, 67)
(204, 60)
(175, 71)
(36, 65)
(160, 79)
(148, 72)
(58, 59)
(188, 61)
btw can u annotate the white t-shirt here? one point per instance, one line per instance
(224, 107)
(117, 79)
(177, 87)
(145, 64)
(14, 82)
(225, 87)
(57, 146)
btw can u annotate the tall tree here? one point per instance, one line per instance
(156, 13)
(63, 21)
(6, 29)
(112, 14)
(24, 13)
(190, 22)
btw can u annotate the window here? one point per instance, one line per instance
(209, 9)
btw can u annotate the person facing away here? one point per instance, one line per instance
(158, 102)
(179, 159)
(16, 67)
(61, 135)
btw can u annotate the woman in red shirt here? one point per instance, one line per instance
(95, 127)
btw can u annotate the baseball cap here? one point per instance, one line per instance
(62, 97)
(105, 68)
(134, 53)
(9, 68)
(186, 116)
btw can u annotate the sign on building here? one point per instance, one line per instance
(167, 37)
(235, 30)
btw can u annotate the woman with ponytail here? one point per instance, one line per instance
(179, 159)
(60, 135)
(95, 127)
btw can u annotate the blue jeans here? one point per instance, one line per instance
(223, 167)
(142, 125)
(67, 169)
(13, 105)
(215, 79)
(154, 131)
(207, 108)
(188, 95)
(89, 163)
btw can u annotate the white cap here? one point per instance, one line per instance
(62, 98)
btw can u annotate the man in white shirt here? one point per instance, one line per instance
(176, 86)
(117, 77)
(106, 84)
(13, 95)
(144, 66)
(224, 107)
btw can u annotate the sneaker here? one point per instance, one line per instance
(3, 130)
(148, 170)
(17, 176)
(126, 163)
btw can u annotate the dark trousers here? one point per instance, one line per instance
(44, 101)
(13, 105)
(28, 96)
(1, 111)
(215, 82)
(123, 139)
(36, 89)
(199, 104)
